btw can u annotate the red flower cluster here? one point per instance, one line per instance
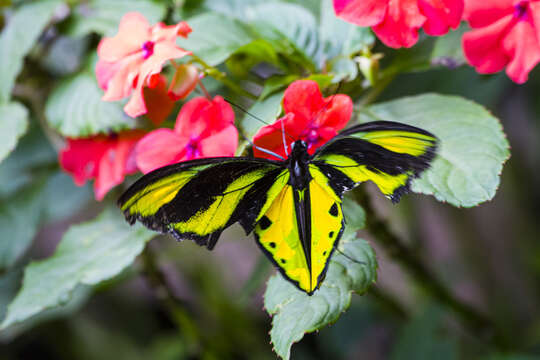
(130, 63)
(308, 116)
(396, 22)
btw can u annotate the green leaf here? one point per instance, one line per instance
(295, 313)
(473, 147)
(20, 215)
(215, 37)
(75, 109)
(340, 37)
(32, 157)
(103, 16)
(62, 198)
(275, 21)
(18, 37)
(249, 55)
(448, 50)
(424, 338)
(88, 254)
(13, 124)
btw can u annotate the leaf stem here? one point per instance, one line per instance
(476, 322)
(222, 77)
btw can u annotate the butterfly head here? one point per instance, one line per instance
(299, 147)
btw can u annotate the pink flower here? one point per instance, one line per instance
(128, 60)
(506, 34)
(396, 22)
(203, 128)
(107, 159)
(308, 117)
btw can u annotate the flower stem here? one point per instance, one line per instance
(476, 322)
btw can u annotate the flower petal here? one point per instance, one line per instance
(162, 32)
(133, 31)
(201, 117)
(163, 51)
(121, 76)
(400, 26)
(81, 157)
(159, 148)
(158, 102)
(184, 81)
(522, 46)
(337, 112)
(361, 12)
(270, 137)
(483, 47)
(441, 15)
(303, 99)
(480, 13)
(222, 143)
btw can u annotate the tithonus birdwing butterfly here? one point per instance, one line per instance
(292, 205)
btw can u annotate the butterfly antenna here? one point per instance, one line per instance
(350, 258)
(283, 137)
(256, 117)
(266, 151)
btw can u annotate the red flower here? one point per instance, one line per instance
(396, 22)
(506, 33)
(203, 128)
(128, 61)
(107, 159)
(308, 116)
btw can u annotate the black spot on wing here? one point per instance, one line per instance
(334, 210)
(265, 223)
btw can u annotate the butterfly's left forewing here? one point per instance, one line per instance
(197, 200)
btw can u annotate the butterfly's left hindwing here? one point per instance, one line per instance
(389, 154)
(197, 200)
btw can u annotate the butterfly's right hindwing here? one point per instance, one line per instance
(197, 200)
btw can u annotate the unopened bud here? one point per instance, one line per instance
(183, 82)
(369, 66)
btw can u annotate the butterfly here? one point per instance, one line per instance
(294, 206)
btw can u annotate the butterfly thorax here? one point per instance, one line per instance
(298, 165)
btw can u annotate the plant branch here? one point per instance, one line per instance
(174, 306)
(476, 322)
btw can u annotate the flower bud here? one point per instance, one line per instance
(369, 66)
(183, 82)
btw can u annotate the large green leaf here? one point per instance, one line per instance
(340, 37)
(103, 16)
(20, 216)
(215, 37)
(276, 20)
(88, 254)
(18, 37)
(295, 313)
(13, 124)
(75, 109)
(473, 147)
